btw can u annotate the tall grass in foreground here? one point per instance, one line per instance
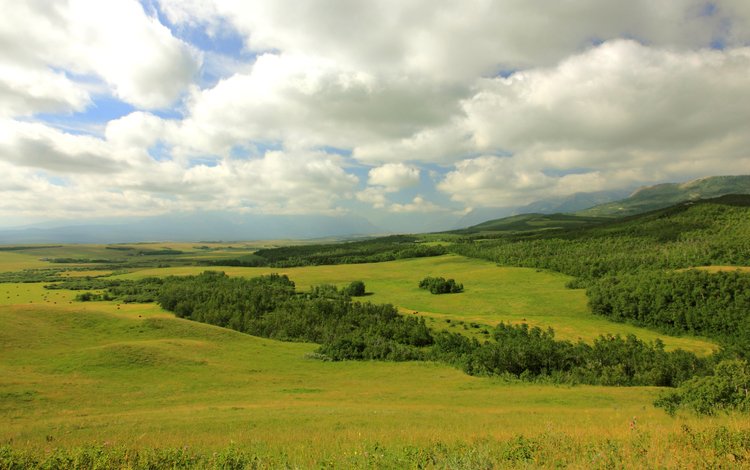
(718, 447)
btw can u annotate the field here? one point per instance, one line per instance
(492, 294)
(133, 376)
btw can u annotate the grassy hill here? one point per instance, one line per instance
(663, 195)
(139, 388)
(532, 223)
(141, 379)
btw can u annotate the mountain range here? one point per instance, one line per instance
(232, 227)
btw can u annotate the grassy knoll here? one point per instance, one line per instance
(144, 379)
(491, 294)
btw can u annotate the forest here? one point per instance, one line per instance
(269, 306)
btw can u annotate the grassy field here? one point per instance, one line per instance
(144, 379)
(131, 376)
(491, 294)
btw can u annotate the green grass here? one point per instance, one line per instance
(71, 377)
(131, 376)
(491, 294)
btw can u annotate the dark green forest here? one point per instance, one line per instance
(269, 306)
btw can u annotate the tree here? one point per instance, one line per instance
(355, 289)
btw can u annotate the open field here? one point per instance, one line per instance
(70, 377)
(491, 294)
(134, 376)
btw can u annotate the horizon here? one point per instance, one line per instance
(403, 115)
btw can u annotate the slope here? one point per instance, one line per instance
(663, 195)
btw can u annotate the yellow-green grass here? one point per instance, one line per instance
(14, 261)
(716, 269)
(491, 294)
(70, 377)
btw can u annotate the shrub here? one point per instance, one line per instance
(439, 285)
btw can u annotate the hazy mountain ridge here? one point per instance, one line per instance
(193, 227)
(663, 195)
(571, 203)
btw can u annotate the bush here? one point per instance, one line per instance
(439, 285)
(355, 289)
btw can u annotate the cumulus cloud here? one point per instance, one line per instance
(456, 40)
(510, 101)
(37, 146)
(374, 196)
(49, 43)
(617, 115)
(394, 176)
(27, 91)
(307, 102)
(418, 204)
(52, 172)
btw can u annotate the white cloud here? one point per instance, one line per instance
(308, 102)
(576, 107)
(418, 204)
(31, 145)
(394, 176)
(62, 46)
(456, 40)
(137, 129)
(374, 196)
(494, 182)
(27, 91)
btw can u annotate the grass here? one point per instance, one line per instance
(70, 377)
(491, 294)
(133, 377)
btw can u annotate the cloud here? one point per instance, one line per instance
(615, 116)
(458, 40)
(394, 176)
(509, 101)
(418, 204)
(30, 145)
(374, 196)
(307, 102)
(63, 47)
(27, 91)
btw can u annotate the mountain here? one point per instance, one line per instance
(192, 227)
(664, 195)
(533, 222)
(572, 203)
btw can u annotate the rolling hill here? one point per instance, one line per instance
(664, 195)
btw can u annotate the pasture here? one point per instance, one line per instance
(491, 294)
(133, 376)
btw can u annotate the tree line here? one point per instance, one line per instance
(269, 306)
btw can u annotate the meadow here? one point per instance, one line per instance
(491, 294)
(131, 377)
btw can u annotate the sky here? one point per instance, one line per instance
(384, 109)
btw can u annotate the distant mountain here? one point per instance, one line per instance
(533, 222)
(572, 203)
(664, 195)
(193, 227)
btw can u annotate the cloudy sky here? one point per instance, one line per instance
(379, 108)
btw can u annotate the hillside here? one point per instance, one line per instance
(532, 222)
(663, 195)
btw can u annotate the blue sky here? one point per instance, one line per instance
(398, 112)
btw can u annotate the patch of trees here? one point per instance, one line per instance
(355, 289)
(727, 389)
(676, 238)
(533, 353)
(269, 306)
(125, 290)
(83, 260)
(364, 251)
(439, 285)
(694, 301)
